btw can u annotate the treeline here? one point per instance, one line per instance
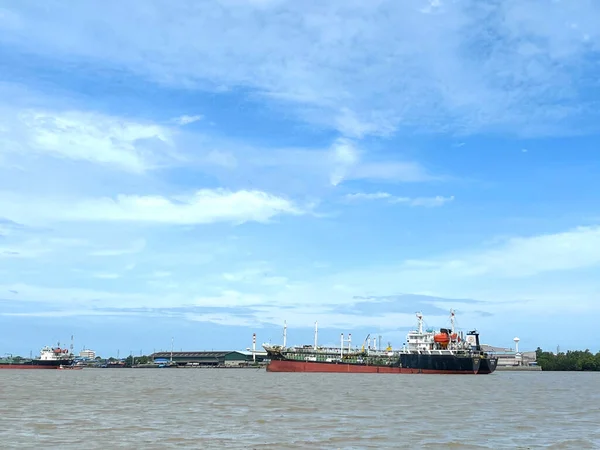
(130, 360)
(576, 360)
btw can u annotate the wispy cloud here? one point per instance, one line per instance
(419, 201)
(90, 137)
(186, 120)
(133, 186)
(477, 66)
(350, 163)
(528, 256)
(136, 247)
(204, 206)
(370, 295)
(106, 276)
(255, 276)
(532, 264)
(8, 227)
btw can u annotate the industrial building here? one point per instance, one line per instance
(231, 358)
(507, 357)
(87, 354)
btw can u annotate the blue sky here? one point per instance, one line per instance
(204, 171)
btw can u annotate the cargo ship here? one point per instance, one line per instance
(50, 358)
(425, 352)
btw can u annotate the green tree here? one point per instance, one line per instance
(572, 360)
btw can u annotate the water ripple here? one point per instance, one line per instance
(235, 409)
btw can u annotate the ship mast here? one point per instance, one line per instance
(284, 333)
(420, 323)
(452, 320)
(342, 341)
(316, 333)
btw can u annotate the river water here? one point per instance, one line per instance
(253, 409)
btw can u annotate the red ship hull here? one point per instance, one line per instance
(315, 367)
(26, 366)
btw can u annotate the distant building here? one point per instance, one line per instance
(87, 354)
(213, 358)
(509, 357)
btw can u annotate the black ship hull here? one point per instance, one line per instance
(36, 364)
(487, 365)
(432, 363)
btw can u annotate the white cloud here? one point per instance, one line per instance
(221, 158)
(349, 163)
(372, 196)
(255, 276)
(106, 276)
(20, 247)
(222, 319)
(438, 200)
(344, 156)
(204, 206)
(185, 120)
(460, 66)
(83, 136)
(21, 252)
(534, 271)
(523, 257)
(541, 269)
(160, 274)
(393, 171)
(350, 124)
(8, 228)
(419, 201)
(66, 313)
(136, 247)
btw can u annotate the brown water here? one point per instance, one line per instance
(212, 408)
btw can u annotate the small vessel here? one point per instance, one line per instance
(61, 367)
(50, 358)
(425, 351)
(114, 365)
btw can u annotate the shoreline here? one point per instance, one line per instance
(518, 369)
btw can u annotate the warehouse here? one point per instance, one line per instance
(507, 357)
(208, 359)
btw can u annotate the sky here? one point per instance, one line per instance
(202, 171)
